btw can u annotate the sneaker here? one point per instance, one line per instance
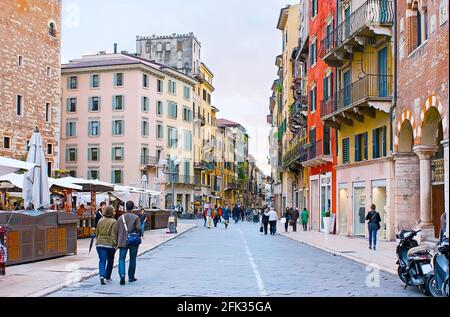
(131, 280)
(374, 248)
(122, 281)
(109, 280)
(102, 281)
(370, 247)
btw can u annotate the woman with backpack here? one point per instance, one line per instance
(374, 225)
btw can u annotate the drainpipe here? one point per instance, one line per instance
(336, 77)
(394, 104)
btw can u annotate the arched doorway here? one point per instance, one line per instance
(406, 138)
(430, 149)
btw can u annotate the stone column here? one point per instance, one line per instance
(425, 153)
(446, 178)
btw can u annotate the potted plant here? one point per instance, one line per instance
(326, 222)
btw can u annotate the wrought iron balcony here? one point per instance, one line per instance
(149, 161)
(200, 118)
(298, 153)
(437, 168)
(319, 153)
(373, 18)
(353, 101)
(183, 179)
(232, 183)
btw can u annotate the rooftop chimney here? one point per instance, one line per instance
(115, 48)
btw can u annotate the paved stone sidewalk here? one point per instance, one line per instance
(41, 278)
(356, 249)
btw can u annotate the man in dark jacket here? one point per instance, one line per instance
(99, 214)
(126, 224)
(295, 215)
(236, 212)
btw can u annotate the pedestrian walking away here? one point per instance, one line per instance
(205, 216)
(273, 221)
(209, 215)
(305, 218)
(216, 217)
(143, 219)
(99, 214)
(106, 233)
(287, 217)
(236, 213)
(226, 216)
(295, 215)
(374, 225)
(265, 221)
(129, 226)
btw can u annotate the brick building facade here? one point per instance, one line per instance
(30, 40)
(421, 116)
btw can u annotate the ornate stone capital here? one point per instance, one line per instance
(425, 152)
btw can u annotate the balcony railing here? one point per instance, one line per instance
(149, 160)
(298, 153)
(372, 12)
(437, 167)
(183, 179)
(200, 118)
(369, 87)
(318, 148)
(201, 165)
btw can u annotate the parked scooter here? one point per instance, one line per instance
(414, 261)
(437, 285)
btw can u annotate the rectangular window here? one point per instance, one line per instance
(19, 105)
(172, 111)
(159, 86)
(71, 155)
(187, 92)
(48, 71)
(72, 82)
(159, 108)
(48, 112)
(145, 128)
(71, 105)
(204, 95)
(49, 149)
(379, 144)
(118, 153)
(145, 80)
(95, 81)
(117, 176)
(172, 137)
(313, 53)
(346, 150)
(49, 169)
(312, 100)
(94, 104)
(93, 154)
(187, 141)
(187, 114)
(145, 104)
(327, 87)
(118, 127)
(172, 87)
(94, 128)
(118, 103)
(361, 149)
(118, 79)
(71, 129)
(6, 142)
(93, 174)
(159, 131)
(314, 8)
(20, 61)
(73, 173)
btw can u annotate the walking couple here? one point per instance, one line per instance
(269, 219)
(123, 234)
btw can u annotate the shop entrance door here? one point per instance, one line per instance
(343, 210)
(325, 199)
(314, 198)
(379, 198)
(359, 209)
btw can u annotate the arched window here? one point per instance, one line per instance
(52, 29)
(418, 25)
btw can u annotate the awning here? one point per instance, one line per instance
(384, 106)
(17, 181)
(8, 165)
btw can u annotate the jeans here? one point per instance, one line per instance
(216, 220)
(106, 261)
(265, 225)
(273, 227)
(143, 229)
(373, 230)
(132, 264)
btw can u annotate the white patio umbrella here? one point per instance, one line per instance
(8, 166)
(36, 192)
(143, 197)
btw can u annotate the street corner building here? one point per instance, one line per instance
(359, 114)
(30, 41)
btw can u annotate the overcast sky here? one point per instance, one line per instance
(239, 44)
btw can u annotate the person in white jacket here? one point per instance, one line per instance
(273, 217)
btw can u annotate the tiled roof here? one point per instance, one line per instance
(226, 123)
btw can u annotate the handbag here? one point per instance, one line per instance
(283, 220)
(133, 239)
(261, 229)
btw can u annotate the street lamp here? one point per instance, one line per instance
(171, 170)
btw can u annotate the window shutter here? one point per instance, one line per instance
(366, 148)
(123, 153)
(99, 102)
(68, 105)
(375, 153)
(89, 155)
(68, 82)
(92, 81)
(67, 155)
(115, 79)
(112, 153)
(384, 141)
(90, 103)
(357, 148)
(112, 177)
(123, 103)
(114, 102)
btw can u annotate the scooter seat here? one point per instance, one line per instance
(420, 250)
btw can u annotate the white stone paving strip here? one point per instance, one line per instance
(262, 290)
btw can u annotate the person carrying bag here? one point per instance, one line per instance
(374, 225)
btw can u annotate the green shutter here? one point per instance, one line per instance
(67, 155)
(68, 82)
(114, 102)
(92, 81)
(90, 103)
(357, 148)
(99, 103)
(115, 79)
(375, 148)
(68, 105)
(384, 141)
(366, 148)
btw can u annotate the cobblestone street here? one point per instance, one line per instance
(242, 262)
